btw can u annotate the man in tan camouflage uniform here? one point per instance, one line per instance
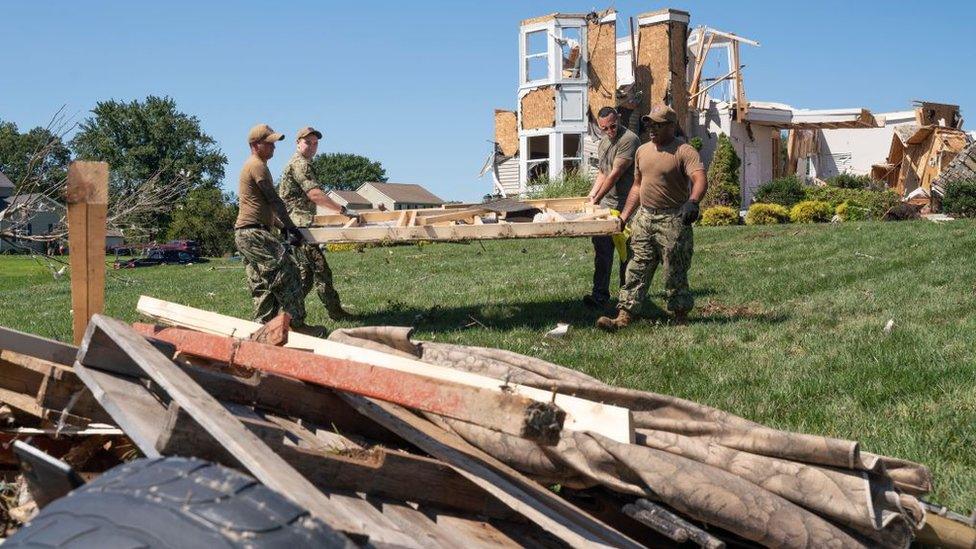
(271, 273)
(301, 193)
(669, 181)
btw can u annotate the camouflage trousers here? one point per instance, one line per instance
(314, 272)
(271, 275)
(658, 238)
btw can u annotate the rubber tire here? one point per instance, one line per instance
(174, 503)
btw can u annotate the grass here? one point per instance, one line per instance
(788, 330)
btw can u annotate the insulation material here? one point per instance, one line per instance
(538, 108)
(506, 132)
(601, 50)
(661, 68)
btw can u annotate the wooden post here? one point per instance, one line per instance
(741, 107)
(87, 197)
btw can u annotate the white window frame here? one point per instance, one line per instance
(553, 29)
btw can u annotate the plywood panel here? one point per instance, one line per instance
(601, 50)
(506, 132)
(661, 67)
(539, 108)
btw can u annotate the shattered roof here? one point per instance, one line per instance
(410, 193)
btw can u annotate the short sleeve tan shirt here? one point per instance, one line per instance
(254, 207)
(665, 172)
(609, 151)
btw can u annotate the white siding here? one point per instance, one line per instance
(590, 160)
(507, 173)
(855, 150)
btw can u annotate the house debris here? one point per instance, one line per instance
(571, 65)
(379, 439)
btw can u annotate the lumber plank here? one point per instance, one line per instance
(453, 215)
(394, 534)
(476, 533)
(37, 347)
(47, 390)
(87, 198)
(377, 471)
(523, 495)
(246, 447)
(421, 528)
(581, 415)
(454, 233)
(509, 413)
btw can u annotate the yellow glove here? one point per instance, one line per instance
(620, 239)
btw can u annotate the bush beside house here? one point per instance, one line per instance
(719, 216)
(960, 198)
(723, 176)
(767, 214)
(811, 211)
(785, 191)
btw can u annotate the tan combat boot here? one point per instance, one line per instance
(608, 324)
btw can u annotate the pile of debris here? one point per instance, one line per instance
(381, 439)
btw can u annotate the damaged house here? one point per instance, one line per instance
(572, 65)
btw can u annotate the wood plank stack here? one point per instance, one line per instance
(351, 434)
(540, 218)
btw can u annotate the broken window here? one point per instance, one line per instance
(572, 152)
(570, 43)
(536, 55)
(537, 163)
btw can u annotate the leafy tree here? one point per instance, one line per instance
(143, 139)
(207, 216)
(346, 171)
(36, 160)
(723, 176)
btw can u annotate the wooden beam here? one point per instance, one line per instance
(456, 215)
(454, 233)
(87, 197)
(741, 106)
(525, 496)
(267, 466)
(509, 413)
(37, 347)
(610, 421)
(376, 471)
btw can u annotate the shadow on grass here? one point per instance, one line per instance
(539, 315)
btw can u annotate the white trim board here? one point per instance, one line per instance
(581, 415)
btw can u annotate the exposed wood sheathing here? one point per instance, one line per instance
(661, 67)
(601, 52)
(506, 132)
(539, 108)
(539, 19)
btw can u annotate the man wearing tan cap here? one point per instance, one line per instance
(669, 182)
(301, 194)
(271, 272)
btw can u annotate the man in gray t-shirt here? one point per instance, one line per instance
(613, 182)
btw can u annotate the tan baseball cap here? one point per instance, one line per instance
(661, 114)
(263, 132)
(307, 131)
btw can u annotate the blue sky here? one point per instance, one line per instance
(414, 84)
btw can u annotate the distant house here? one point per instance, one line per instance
(398, 196)
(27, 215)
(6, 187)
(350, 199)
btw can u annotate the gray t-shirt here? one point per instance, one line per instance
(624, 147)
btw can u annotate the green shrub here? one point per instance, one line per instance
(718, 216)
(696, 142)
(811, 211)
(960, 198)
(723, 176)
(569, 184)
(873, 204)
(785, 191)
(767, 214)
(851, 210)
(849, 181)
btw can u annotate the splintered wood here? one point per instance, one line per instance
(559, 217)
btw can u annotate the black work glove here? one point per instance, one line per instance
(689, 212)
(294, 236)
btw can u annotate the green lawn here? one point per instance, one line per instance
(788, 329)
